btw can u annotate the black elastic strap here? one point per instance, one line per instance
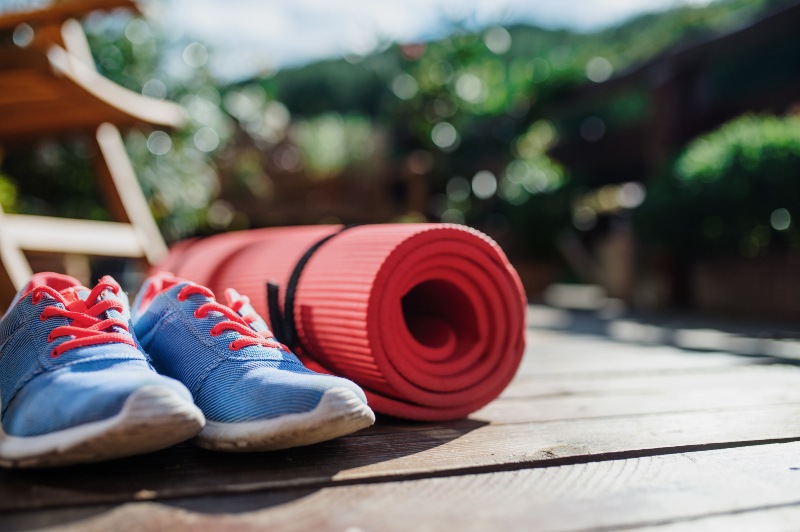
(283, 325)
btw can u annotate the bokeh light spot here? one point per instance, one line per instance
(497, 40)
(159, 143)
(195, 55)
(631, 195)
(404, 87)
(155, 88)
(138, 31)
(444, 135)
(23, 35)
(599, 69)
(584, 218)
(780, 219)
(471, 88)
(206, 139)
(220, 214)
(484, 184)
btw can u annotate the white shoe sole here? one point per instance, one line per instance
(152, 418)
(339, 412)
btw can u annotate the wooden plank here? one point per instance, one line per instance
(688, 490)
(770, 518)
(464, 447)
(142, 108)
(549, 365)
(75, 42)
(550, 353)
(743, 376)
(71, 95)
(39, 233)
(15, 268)
(714, 394)
(26, 86)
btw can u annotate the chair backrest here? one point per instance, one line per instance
(49, 86)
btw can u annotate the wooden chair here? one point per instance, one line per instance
(50, 87)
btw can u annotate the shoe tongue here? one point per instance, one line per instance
(75, 293)
(75, 298)
(232, 297)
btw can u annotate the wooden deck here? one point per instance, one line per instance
(594, 433)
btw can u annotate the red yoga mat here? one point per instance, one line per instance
(428, 318)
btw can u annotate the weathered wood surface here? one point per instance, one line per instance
(680, 489)
(35, 102)
(592, 433)
(549, 354)
(186, 471)
(658, 382)
(772, 518)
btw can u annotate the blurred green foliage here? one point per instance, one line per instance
(483, 101)
(8, 194)
(732, 192)
(177, 172)
(331, 142)
(472, 112)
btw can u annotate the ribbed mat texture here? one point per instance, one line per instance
(428, 318)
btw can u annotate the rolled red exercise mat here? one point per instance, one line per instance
(428, 318)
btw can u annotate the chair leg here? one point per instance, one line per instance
(14, 268)
(123, 193)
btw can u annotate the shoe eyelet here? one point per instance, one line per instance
(53, 354)
(200, 316)
(233, 347)
(35, 298)
(214, 333)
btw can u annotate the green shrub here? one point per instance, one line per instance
(731, 192)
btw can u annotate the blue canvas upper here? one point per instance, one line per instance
(41, 394)
(252, 383)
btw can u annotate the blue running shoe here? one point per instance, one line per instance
(74, 385)
(256, 395)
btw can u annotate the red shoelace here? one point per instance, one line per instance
(233, 321)
(85, 328)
